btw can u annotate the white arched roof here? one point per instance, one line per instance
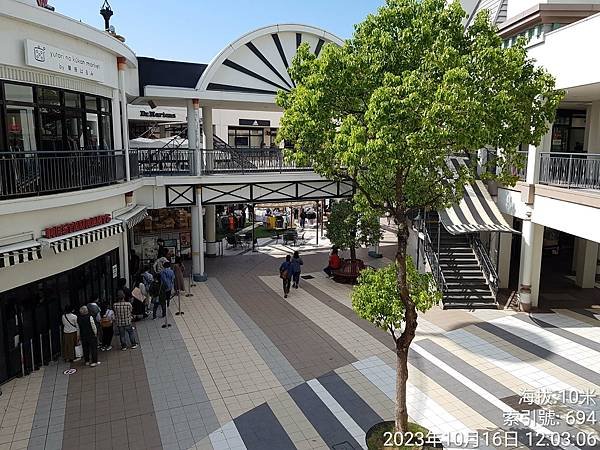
(257, 62)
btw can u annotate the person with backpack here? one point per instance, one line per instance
(154, 293)
(285, 273)
(167, 283)
(297, 269)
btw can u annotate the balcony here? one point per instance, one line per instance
(175, 161)
(29, 174)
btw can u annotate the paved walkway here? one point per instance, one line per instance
(244, 368)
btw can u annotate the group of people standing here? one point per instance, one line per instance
(92, 327)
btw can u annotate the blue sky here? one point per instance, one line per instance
(196, 30)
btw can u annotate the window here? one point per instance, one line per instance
(18, 93)
(246, 137)
(50, 119)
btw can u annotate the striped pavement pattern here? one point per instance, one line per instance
(462, 382)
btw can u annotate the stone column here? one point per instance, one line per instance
(532, 239)
(587, 262)
(122, 66)
(198, 239)
(117, 138)
(504, 255)
(592, 124)
(193, 127)
(207, 144)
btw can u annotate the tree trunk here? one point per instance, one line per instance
(401, 379)
(352, 253)
(410, 317)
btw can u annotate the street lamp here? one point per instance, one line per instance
(107, 13)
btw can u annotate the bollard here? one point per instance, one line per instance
(32, 356)
(22, 359)
(189, 292)
(41, 350)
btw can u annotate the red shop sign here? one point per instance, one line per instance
(78, 225)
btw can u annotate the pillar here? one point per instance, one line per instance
(504, 255)
(117, 138)
(587, 261)
(124, 255)
(122, 66)
(207, 129)
(198, 239)
(533, 157)
(532, 239)
(592, 123)
(211, 231)
(193, 127)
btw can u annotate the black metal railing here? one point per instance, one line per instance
(570, 170)
(246, 160)
(33, 173)
(164, 161)
(518, 171)
(434, 262)
(485, 262)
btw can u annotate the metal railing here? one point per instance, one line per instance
(247, 160)
(32, 173)
(570, 170)
(434, 262)
(164, 161)
(485, 262)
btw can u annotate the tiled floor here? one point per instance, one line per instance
(244, 368)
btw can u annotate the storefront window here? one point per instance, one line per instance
(51, 132)
(90, 103)
(105, 124)
(72, 100)
(74, 130)
(104, 105)
(18, 93)
(91, 130)
(48, 97)
(246, 137)
(20, 128)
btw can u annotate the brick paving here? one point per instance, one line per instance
(246, 369)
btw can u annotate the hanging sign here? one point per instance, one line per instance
(115, 271)
(44, 56)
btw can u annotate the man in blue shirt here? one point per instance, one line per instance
(167, 282)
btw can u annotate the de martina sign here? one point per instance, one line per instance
(44, 56)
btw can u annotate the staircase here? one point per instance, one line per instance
(466, 285)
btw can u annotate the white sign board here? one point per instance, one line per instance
(44, 56)
(115, 271)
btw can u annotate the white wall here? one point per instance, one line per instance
(36, 221)
(568, 53)
(509, 202)
(578, 220)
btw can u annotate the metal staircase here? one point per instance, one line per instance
(468, 277)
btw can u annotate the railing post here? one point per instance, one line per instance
(438, 247)
(569, 173)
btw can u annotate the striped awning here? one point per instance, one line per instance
(22, 252)
(83, 237)
(475, 212)
(134, 216)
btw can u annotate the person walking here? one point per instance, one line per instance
(123, 317)
(88, 335)
(302, 218)
(179, 270)
(285, 273)
(138, 299)
(334, 263)
(107, 318)
(70, 331)
(296, 269)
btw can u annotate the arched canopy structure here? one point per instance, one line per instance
(256, 65)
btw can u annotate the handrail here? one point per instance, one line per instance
(434, 263)
(570, 170)
(485, 262)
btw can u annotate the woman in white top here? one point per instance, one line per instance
(70, 329)
(107, 317)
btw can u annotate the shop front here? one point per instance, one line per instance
(30, 314)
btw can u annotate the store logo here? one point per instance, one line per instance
(42, 3)
(39, 53)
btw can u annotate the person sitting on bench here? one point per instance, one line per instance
(335, 263)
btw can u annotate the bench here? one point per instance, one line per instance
(349, 271)
(290, 236)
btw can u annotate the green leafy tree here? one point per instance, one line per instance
(386, 110)
(350, 226)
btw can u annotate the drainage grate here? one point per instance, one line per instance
(307, 277)
(513, 402)
(343, 445)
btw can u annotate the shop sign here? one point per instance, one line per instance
(72, 227)
(115, 271)
(157, 115)
(255, 122)
(44, 56)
